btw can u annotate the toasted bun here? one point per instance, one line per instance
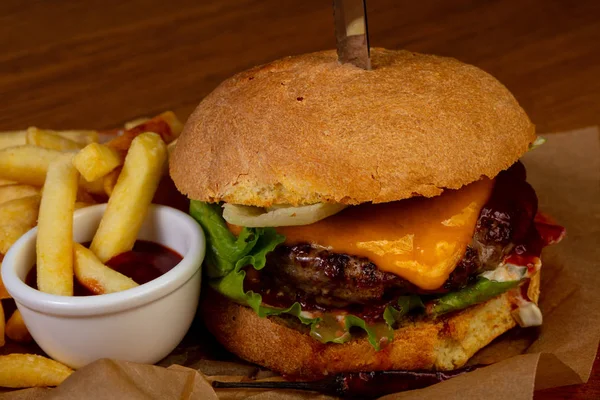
(307, 129)
(444, 344)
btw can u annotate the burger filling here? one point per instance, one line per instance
(489, 244)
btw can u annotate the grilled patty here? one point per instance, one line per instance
(317, 277)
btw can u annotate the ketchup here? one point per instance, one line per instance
(145, 262)
(544, 231)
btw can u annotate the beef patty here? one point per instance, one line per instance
(317, 277)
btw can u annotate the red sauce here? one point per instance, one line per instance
(544, 232)
(550, 232)
(147, 261)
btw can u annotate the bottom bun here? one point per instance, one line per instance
(424, 344)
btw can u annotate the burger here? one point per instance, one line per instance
(363, 220)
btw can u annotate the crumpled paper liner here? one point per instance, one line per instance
(566, 175)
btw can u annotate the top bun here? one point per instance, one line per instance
(307, 129)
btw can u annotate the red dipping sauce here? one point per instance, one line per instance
(145, 262)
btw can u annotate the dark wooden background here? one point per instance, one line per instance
(98, 63)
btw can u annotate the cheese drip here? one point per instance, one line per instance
(418, 239)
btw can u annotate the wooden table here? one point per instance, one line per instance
(98, 63)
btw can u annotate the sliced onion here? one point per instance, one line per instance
(255, 217)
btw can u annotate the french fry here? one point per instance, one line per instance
(12, 192)
(174, 123)
(2, 325)
(18, 138)
(26, 164)
(3, 292)
(16, 329)
(6, 182)
(12, 139)
(129, 201)
(30, 370)
(96, 160)
(54, 244)
(135, 122)
(50, 140)
(82, 204)
(166, 125)
(97, 277)
(94, 187)
(81, 136)
(17, 217)
(171, 147)
(110, 181)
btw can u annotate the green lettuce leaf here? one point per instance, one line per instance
(481, 291)
(336, 328)
(224, 250)
(393, 315)
(232, 284)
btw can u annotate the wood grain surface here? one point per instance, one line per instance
(98, 63)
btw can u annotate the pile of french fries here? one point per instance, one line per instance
(45, 175)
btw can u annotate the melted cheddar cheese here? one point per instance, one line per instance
(418, 239)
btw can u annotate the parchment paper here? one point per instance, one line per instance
(566, 175)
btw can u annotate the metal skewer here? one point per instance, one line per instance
(357, 384)
(351, 32)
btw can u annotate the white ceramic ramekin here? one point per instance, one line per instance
(142, 324)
